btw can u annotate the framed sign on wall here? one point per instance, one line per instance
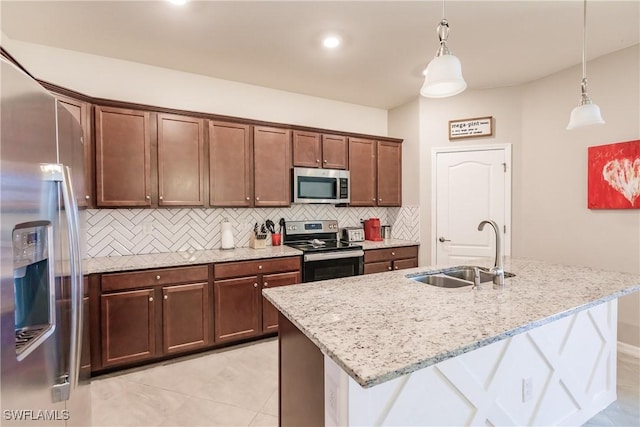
(471, 128)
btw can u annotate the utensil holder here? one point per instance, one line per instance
(276, 239)
(256, 243)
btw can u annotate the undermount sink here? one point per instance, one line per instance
(455, 277)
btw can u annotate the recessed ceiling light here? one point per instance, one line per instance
(331, 42)
(178, 2)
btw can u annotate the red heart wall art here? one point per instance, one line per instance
(614, 176)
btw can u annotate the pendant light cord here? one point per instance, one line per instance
(584, 40)
(442, 9)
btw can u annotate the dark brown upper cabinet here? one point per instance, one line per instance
(181, 174)
(271, 166)
(362, 172)
(229, 164)
(123, 157)
(80, 153)
(375, 172)
(315, 150)
(389, 173)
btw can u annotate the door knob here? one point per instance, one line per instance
(442, 240)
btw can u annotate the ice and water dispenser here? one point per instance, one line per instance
(33, 283)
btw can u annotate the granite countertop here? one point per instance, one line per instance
(388, 243)
(380, 326)
(176, 259)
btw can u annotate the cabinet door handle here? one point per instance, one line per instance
(379, 200)
(325, 161)
(317, 160)
(158, 277)
(150, 299)
(396, 267)
(389, 268)
(248, 198)
(374, 199)
(266, 284)
(166, 297)
(258, 199)
(87, 197)
(148, 197)
(255, 285)
(161, 198)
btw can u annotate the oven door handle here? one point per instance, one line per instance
(333, 255)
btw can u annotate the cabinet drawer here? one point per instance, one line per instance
(163, 276)
(377, 267)
(248, 268)
(377, 255)
(402, 264)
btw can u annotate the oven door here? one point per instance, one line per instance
(332, 265)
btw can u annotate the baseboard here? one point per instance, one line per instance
(629, 349)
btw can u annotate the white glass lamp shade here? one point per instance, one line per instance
(443, 77)
(585, 115)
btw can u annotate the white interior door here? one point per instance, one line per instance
(470, 185)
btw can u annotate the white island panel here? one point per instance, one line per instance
(570, 365)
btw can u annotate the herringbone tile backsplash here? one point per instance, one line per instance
(113, 232)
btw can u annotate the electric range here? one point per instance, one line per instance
(324, 255)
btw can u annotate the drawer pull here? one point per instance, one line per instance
(255, 285)
(158, 277)
(393, 254)
(389, 268)
(259, 267)
(396, 267)
(266, 284)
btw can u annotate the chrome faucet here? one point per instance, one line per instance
(498, 265)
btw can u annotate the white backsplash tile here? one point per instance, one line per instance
(113, 232)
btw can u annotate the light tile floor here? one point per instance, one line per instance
(239, 387)
(229, 387)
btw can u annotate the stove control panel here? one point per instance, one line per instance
(311, 227)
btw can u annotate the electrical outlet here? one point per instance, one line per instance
(527, 389)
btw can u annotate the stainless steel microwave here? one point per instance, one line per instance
(320, 186)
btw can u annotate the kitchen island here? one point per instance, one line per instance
(383, 349)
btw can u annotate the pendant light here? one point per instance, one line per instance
(587, 113)
(443, 75)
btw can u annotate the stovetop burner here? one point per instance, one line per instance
(329, 245)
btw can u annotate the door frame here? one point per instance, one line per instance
(507, 190)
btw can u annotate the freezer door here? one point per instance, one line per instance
(31, 189)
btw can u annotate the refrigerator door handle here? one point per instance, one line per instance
(71, 211)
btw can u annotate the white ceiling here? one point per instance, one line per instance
(386, 44)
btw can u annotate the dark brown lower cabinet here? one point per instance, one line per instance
(128, 327)
(237, 308)
(389, 259)
(145, 315)
(240, 310)
(185, 323)
(269, 312)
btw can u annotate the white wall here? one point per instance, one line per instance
(559, 227)
(550, 219)
(109, 78)
(403, 120)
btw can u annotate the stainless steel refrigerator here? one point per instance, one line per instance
(41, 288)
